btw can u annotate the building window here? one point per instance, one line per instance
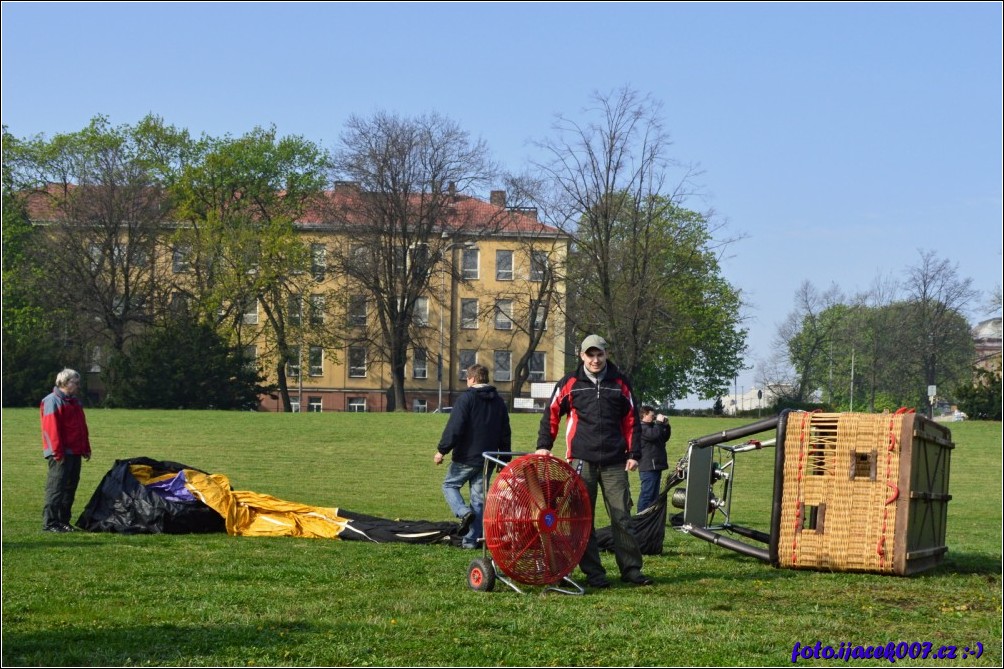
(315, 361)
(179, 303)
(318, 261)
(503, 314)
(294, 310)
(420, 364)
(357, 404)
(357, 361)
(250, 356)
(536, 365)
(465, 359)
(503, 366)
(469, 314)
(251, 311)
(539, 319)
(357, 310)
(470, 263)
(421, 314)
(314, 404)
(503, 265)
(317, 310)
(419, 405)
(180, 258)
(293, 362)
(538, 265)
(294, 404)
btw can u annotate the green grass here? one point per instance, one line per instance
(215, 600)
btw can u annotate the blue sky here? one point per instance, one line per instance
(838, 140)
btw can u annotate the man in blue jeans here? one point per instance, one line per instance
(479, 423)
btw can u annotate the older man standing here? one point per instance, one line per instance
(603, 441)
(64, 442)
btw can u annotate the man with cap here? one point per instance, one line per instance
(603, 443)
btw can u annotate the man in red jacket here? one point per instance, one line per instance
(64, 443)
(603, 443)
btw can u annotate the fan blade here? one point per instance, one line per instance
(533, 485)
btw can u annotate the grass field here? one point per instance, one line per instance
(215, 600)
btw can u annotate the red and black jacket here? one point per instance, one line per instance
(603, 425)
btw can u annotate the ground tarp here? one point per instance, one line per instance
(141, 495)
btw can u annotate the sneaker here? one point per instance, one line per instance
(598, 582)
(637, 578)
(465, 522)
(468, 546)
(67, 527)
(59, 529)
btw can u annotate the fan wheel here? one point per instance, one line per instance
(481, 575)
(537, 519)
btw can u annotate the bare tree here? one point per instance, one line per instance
(939, 297)
(634, 243)
(804, 338)
(406, 206)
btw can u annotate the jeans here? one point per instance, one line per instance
(613, 480)
(60, 489)
(649, 489)
(456, 476)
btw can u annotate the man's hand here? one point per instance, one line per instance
(631, 465)
(542, 451)
(438, 458)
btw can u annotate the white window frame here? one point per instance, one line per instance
(358, 317)
(420, 405)
(501, 273)
(294, 310)
(465, 358)
(419, 364)
(467, 320)
(315, 404)
(470, 263)
(538, 265)
(317, 310)
(356, 405)
(315, 353)
(318, 261)
(251, 317)
(498, 373)
(503, 315)
(537, 375)
(357, 370)
(293, 362)
(421, 311)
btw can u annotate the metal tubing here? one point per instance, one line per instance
(734, 433)
(726, 542)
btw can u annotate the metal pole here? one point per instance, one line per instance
(442, 308)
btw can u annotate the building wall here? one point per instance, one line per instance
(335, 390)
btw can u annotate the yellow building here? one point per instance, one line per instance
(477, 313)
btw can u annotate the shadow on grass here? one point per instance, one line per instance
(158, 645)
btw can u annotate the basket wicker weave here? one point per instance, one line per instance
(863, 492)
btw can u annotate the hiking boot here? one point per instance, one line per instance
(465, 522)
(637, 578)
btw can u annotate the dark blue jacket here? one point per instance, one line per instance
(479, 423)
(653, 446)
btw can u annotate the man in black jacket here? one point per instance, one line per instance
(479, 423)
(603, 438)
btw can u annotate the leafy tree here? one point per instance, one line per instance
(239, 249)
(99, 197)
(32, 349)
(185, 365)
(983, 398)
(643, 269)
(405, 207)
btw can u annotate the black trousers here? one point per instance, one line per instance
(60, 489)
